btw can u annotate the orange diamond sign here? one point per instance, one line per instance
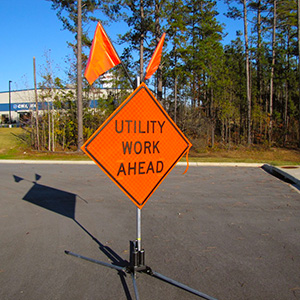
(138, 145)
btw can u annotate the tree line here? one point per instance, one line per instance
(245, 92)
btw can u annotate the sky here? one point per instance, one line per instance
(31, 29)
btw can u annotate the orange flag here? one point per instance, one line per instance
(103, 56)
(155, 59)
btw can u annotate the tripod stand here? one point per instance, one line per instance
(137, 264)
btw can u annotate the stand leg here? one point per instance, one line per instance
(135, 286)
(137, 264)
(180, 285)
(102, 263)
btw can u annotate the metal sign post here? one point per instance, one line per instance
(139, 228)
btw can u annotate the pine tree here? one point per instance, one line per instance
(77, 12)
(139, 19)
(176, 27)
(236, 13)
(203, 57)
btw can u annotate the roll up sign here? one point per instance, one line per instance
(138, 145)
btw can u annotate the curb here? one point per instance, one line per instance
(216, 164)
(277, 172)
(86, 162)
(46, 162)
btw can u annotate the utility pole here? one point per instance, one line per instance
(79, 78)
(9, 100)
(36, 108)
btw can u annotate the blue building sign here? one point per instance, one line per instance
(4, 107)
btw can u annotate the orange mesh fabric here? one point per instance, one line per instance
(102, 57)
(155, 59)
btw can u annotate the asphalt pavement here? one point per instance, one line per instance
(231, 232)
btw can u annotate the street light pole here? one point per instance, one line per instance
(9, 106)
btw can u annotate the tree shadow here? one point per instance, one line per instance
(64, 203)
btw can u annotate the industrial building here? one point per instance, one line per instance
(17, 106)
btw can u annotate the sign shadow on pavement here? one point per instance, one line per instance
(55, 200)
(64, 203)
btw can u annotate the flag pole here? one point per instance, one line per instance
(127, 74)
(143, 79)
